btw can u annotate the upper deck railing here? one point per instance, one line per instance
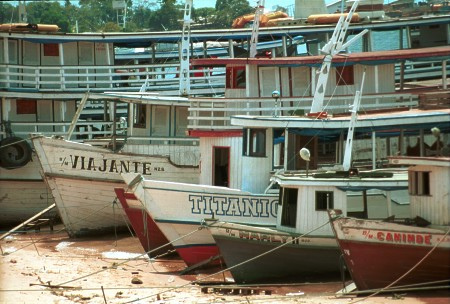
(215, 113)
(163, 78)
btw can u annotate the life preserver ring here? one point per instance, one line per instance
(15, 152)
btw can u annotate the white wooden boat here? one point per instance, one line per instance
(82, 177)
(302, 245)
(243, 151)
(179, 209)
(246, 158)
(416, 252)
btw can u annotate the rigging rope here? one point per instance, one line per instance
(232, 267)
(409, 271)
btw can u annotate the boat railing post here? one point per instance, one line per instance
(6, 60)
(36, 78)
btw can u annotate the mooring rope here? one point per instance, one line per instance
(134, 258)
(408, 272)
(63, 228)
(232, 267)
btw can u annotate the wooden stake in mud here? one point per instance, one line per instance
(104, 297)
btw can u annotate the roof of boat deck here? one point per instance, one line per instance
(142, 39)
(384, 123)
(369, 58)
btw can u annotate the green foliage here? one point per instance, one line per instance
(98, 15)
(204, 15)
(111, 27)
(230, 10)
(48, 13)
(94, 14)
(167, 17)
(8, 13)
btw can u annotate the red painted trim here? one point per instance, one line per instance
(148, 233)
(196, 254)
(227, 133)
(349, 58)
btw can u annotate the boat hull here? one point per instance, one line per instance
(303, 259)
(372, 247)
(150, 236)
(23, 193)
(193, 243)
(82, 179)
(179, 210)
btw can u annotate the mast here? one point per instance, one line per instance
(334, 46)
(349, 143)
(255, 28)
(185, 85)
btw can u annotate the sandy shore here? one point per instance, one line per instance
(99, 270)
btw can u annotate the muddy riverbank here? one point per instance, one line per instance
(50, 267)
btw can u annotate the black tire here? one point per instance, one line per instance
(15, 152)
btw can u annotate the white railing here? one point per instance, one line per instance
(416, 70)
(98, 78)
(84, 130)
(214, 113)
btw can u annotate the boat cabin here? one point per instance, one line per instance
(428, 189)
(305, 198)
(253, 126)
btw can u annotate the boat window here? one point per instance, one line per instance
(160, 121)
(324, 200)
(51, 49)
(140, 116)
(419, 183)
(255, 142)
(235, 78)
(345, 75)
(181, 120)
(26, 106)
(289, 206)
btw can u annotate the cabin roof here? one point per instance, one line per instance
(385, 123)
(398, 181)
(140, 98)
(144, 39)
(376, 57)
(440, 161)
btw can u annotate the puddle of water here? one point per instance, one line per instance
(63, 245)
(121, 255)
(8, 250)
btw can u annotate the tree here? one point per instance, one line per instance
(8, 13)
(94, 14)
(203, 15)
(111, 27)
(167, 17)
(48, 13)
(228, 10)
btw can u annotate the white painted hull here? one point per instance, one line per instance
(180, 209)
(23, 193)
(87, 207)
(82, 179)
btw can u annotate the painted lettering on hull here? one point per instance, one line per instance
(399, 237)
(233, 206)
(264, 237)
(108, 165)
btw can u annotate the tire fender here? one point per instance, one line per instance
(15, 152)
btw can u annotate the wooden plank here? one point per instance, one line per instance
(27, 221)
